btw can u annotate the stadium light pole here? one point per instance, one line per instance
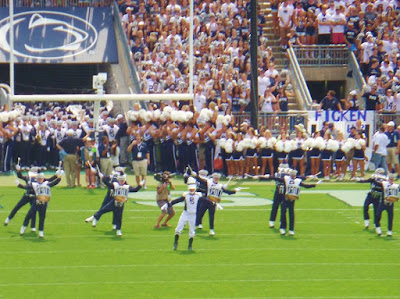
(11, 12)
(191, 48)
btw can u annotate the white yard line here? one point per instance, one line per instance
(229, 281)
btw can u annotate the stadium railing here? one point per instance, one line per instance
(299, 83)
(322, 55)
(275, 121)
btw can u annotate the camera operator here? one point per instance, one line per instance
(163, 196)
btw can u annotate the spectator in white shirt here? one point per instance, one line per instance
(381, 142)
(285, 12)
(338, 21)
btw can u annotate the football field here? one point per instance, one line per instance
(331, 255)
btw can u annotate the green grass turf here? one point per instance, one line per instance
(331, 256)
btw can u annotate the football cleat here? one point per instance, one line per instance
(291, 233)
(7, 221)
(90, 219)
(389, 233)
(119, 233)
(114, 226)
(271, 224)
(282, 231)
(22, 230)
(212, 232)
(378, 231)
(94, 222)
(200, 226)
(33, 229)
(41, 234)
(366, 223)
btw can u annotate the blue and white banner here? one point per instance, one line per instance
(59, 35)
(343, 121)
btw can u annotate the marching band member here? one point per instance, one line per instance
(214, 193)
(390, 196)
(120, 193)
(375, 194)
(42, 190)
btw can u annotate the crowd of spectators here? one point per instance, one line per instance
(158, 33)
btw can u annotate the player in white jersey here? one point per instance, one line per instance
(390, 196)
(120, 193)
(42, 190)
(188, 215)
(292, 193)
(214, 193)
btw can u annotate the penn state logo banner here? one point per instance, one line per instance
(63, 35)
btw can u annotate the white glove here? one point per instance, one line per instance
(266, 176)
(17, 182)
(238, 189)
(101, 176)
(256, 177)
(219, 207)
(142, 183)
(17, 167)
(193, 173)
(93, 170)
(319, 182)
(164, 207)
(59, 172)
(225, 186)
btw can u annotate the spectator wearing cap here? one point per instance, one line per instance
(140, 157)
(393, 148)
(338, 22)
(105, 158)
(380, 143)
(352, 101)
(68, 148)
(330, 102)
(372, 101)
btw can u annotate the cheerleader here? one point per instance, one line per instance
(251, 153)
(298, 152)
(326, 157)
(88, 157)
(340, 158)
(229, 145)
(359, 155)
(315, 153)
(267, 152)
(238, 156)
(281, 155)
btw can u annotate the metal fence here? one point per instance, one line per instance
(275, 121)
(321, 55)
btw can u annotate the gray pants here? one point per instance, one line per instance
(123, 145)
(69, 167)
(105, 168)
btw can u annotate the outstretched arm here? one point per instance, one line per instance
(308, 185)
(175, 201)
(135, 189)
